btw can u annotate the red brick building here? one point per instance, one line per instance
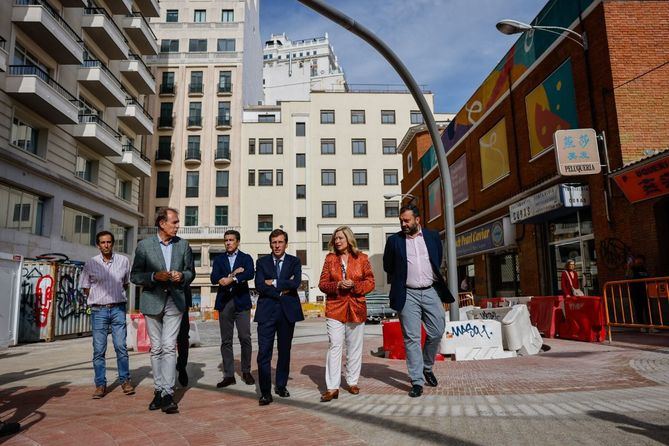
(517, 220)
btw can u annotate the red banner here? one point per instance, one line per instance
(649, 180)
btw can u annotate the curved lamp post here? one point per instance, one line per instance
(510, 26)
(449, 218)
(391, 196)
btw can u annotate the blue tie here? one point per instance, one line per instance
(278, 267)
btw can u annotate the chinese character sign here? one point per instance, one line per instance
(576, 152)
(649, 180)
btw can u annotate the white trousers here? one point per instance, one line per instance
(338, 332)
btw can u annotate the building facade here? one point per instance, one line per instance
(518, 220)
(208, 67)
(73, 100)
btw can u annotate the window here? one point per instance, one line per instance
(252, 177)
(162, 185)
(300, 191)
(225, 82)
(192, 184)
(302, 255)
(359, 177)
(227, 15)
(300, 160)
(265, 178)
(21, 210)
(267, 118)
(200, 16)
(325, 241)
(24, 136)
(410, 162)
(300, 129)
(416, 117)
(120, 238)
(358, 146)
(392, 209)
(167, 86)
(362, 240)
(328, 209)
(197, 259)
(223, 147)
(279, 146)
(252, 146)
(389, 146)
(301, 224)
(279, 177)
(193, 150)
(327, 146)
(197, 45)
(390, 177)
(78, 227)
(360, 209)
(83, 168)
(265, 223)
(225, 45)
(357, 116)
(195, 114)
(172, 15)
(222, 183)
(124, 189)
(196, 85)
(387, 116)
(328, 177)
(165, 119)
(327, 117)
(191, 216)
(169, 46)
(223, 118)
(266, 146)
(221, 216)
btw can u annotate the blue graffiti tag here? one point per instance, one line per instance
(473, 330)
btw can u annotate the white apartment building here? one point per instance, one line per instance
(209, 66)
(314, 165)
(73, 123)
(293, 69)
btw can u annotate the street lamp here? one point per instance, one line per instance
(391, 196)
(509, 27)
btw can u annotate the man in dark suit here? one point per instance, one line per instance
(278, 277)
(183, 339)
(231, 272)
(163, 267)
(412, 258)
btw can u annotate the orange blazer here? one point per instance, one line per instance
(346, 305)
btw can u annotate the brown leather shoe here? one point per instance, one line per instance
(354, 390)
(100, 391)
(329, 396)
(128, 388)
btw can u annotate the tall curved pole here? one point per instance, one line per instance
(449, 219)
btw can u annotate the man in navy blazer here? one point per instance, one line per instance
(412, 259)
(278, 277)
(231, 272)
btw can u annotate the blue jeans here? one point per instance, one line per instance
(102, 319)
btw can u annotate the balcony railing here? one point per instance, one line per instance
(32, 70)
(3, 44)
(190, 231)
(141, 61)
(133, 101)
(222, 154)
(164, 153)
(166, 121)
(193, 154)
(167, 89)
(94, 63)
(196, 88)
(61, 21)
(130, 148)
(195, 121)
(89, 118)
(102, 11)
(225, 88)
(223, 120)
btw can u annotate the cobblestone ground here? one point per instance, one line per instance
(575, 393)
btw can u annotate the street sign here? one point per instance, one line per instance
(576, 152)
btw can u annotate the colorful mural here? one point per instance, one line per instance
(434, 199)
(494, 154)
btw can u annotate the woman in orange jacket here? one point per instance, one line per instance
(346, 277)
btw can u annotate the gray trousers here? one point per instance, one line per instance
(426, 307)
(163, 330)
(227, 319)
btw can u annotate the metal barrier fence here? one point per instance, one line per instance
(637, 303)
(464, 300)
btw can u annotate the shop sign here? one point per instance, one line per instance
(494, 235)
(556, 197)
(646, 181)
(576, 152)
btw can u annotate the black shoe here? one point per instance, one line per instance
(430, 379)
(282, 392)
(416, 391)
(248, 379)
(265, 400)
(157, 401)
(169, 406)
(9, 428)
(183, 377)
(227, 382)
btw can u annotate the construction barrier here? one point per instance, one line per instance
(584, 319)
(393, 341)
(546, 313)
(141, 342)
(637, 303)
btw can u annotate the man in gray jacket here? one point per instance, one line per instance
(163, 266)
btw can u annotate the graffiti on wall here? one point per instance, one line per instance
(70, 298)
(44, 300)
(36, 301)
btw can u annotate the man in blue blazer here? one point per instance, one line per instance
(278, 277)
(231, 272)
(412, 259)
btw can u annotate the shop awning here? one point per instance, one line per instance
(645, 179)
(551, 203)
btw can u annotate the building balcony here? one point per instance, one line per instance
(150, 8)
(49, 30)
(191, 232)
(139, 31)
(119, 6)
(164, 154)
(136, 118)
(193, 156)
(98, 135)
(96, 78)
(222, 156)
(196, 89)
(223, 122)
(38, 91)
(133, 161)
(138, 74)
(3, 55)
(74, 3)
(100, 26)
(167, 90)
(224, 89)
(166, 122)
(194, 122)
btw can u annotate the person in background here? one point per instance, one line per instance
(569, 280)
(183, 339)
(345, 279)
(638, 294)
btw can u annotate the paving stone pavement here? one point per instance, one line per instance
(575, 393)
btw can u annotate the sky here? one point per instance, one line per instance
(448, 45)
